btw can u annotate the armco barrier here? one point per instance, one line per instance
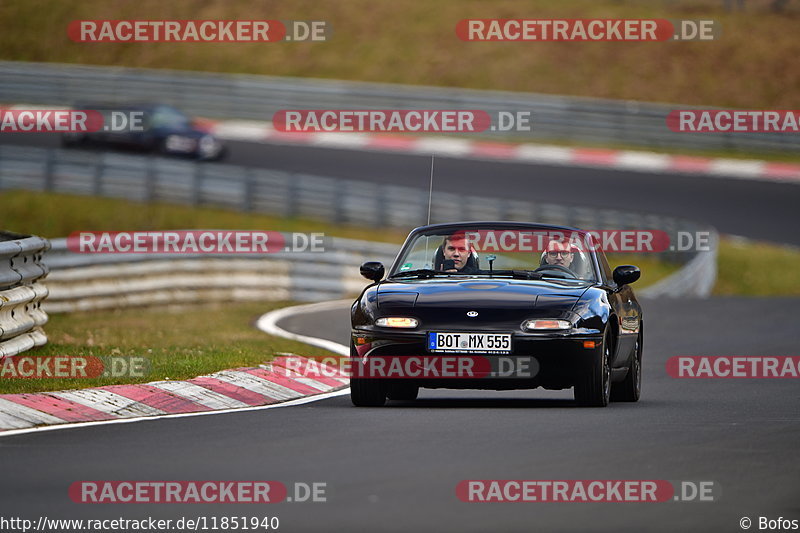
(97, 281)
(21, 293)
(287, 194)
(103, 281)
(250, 97)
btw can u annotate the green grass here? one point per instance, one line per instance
(21, 212)
(176, 345)
(739, 270)
(757, 269)
(414, 41)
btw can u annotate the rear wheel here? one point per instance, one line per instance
(630, 389)
(593, 387)
(366, 392)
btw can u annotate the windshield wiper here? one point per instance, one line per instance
(419, 273)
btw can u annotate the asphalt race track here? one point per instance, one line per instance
(755, 209)
(396, 468)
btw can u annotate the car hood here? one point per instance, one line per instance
(495, 300)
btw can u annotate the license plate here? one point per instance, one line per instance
(469, 342)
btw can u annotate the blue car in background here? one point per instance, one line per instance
(158, 128)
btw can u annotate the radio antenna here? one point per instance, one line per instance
(430, 192)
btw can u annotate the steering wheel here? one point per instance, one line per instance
(557, 267)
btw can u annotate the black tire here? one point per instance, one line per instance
(593, 387)
(72, 140)
(402, 391)
(366, 392)
(630, 389)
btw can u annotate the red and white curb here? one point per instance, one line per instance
(513, 152)
(271, 384)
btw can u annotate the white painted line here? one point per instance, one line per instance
(268, 323)
(643, 161)
(198, 394)
(538, 153)
(292, 403)
(739, 168)
(108, 402)
(242, 130)
(442, 146)
(340, 139)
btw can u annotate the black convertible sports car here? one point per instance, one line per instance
(163, 129)
(464, 300)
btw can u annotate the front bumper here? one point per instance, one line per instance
(559, 358)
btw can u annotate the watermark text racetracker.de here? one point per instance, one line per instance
(729, 367)
(73, 367)
(415, 366)
(401, 120)
(194, 242)
(22, 120)
(198, 31)
(202, 492)
(631, 30)
(734, 121)
(608, 240)
(586, 490)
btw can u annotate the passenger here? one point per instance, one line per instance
(558, 253)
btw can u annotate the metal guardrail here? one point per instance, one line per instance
(21, 293)
(293, 195)
(259, 97)
(81, 282)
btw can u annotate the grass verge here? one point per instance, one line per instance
(757, 269)
(741, 263)
(749, 66)
(180, 344)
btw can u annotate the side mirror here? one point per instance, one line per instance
(372, 270)
(626, 274)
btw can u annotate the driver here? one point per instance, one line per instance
(559, 253)
(456, 251)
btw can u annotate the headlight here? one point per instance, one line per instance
(540, 324)
(397, 322)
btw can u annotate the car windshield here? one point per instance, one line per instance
(528, 253)
(168, 117)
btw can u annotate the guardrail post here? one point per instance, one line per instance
(292, 200)
(197, 183)
(150, 180)
(97, 179)
(49, 163)
(381, 207)
(338, 203)
(249, 189)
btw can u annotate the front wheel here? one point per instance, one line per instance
(631, 388)
(593, 386)
(366, 392)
